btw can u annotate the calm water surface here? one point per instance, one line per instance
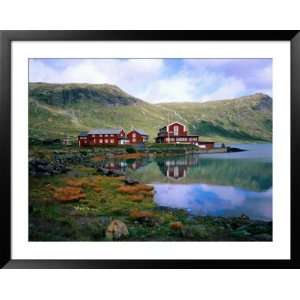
(228, 184)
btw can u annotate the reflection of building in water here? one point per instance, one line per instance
(122, 165)
(176, 172)
(176, 168)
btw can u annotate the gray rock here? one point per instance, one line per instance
(110, 172)
(131, 181)
(116, 230)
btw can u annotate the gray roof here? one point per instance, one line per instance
(105, 131)
(83, 133)
(141, 132)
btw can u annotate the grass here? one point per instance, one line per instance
(108, 199)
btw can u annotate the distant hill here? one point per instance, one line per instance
(64, 94)
(56, 110)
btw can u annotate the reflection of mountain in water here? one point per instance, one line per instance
(251, 170)
(251, 174)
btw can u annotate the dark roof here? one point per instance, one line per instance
(105, 131)
(83, 133)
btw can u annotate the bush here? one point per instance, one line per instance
(130, 150)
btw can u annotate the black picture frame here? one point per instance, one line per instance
(6, 39)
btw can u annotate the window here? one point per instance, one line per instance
(111, 141)
(133, 140)
(134, 135)
(106, 135)
(106, 141)
(101, 141)
(176, 130)
(111, 135)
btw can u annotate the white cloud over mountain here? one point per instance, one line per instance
(162, 80)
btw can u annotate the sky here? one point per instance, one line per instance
(163, 80)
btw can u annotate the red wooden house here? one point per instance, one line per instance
(102, 137)
(83, 139)
(137, 137)
(175, 133)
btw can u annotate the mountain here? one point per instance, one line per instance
(56, 110)
(64, 94)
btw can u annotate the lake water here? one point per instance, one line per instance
(226, 184)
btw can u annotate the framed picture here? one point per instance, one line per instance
(149, 149)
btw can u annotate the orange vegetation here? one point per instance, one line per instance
(84, 182)
(139, 214)
(176, 225)
(125, 156)
(97, 189)
(131, 155)
(68, 194)
(137, 188)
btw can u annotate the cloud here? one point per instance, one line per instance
(181, 88)
(264, 76)
(95, 70)
(162, 80)
(230, 88)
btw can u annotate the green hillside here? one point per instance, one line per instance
(56, 110)
(64, 94)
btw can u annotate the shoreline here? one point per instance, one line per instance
(71, 201)
(83, 209)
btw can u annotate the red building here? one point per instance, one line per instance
(137, 137)
(83, 139)
(206, 145)
(175, 133)
(102, 137)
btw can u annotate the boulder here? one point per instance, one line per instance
(116, 230)
(43, 167)
(130, 181)
(110, 172)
